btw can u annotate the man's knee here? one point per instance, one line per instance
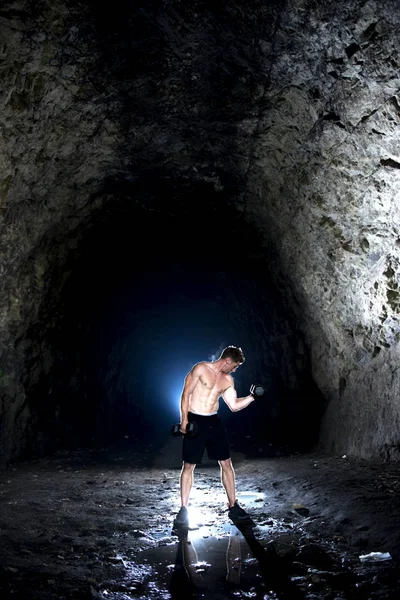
(188, 466)
(226, 465)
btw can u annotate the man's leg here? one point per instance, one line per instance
(186, 482)
(236, 512)
(228, 480)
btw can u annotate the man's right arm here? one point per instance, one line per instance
(191, 380)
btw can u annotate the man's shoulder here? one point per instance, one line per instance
(199, 367)
(228, 379)
(225, 380)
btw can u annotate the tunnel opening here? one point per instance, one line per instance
(155, 287)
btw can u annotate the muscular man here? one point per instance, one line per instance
(203, 386)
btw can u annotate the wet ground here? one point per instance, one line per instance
(99, 524)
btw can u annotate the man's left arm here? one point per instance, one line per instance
(235, 403)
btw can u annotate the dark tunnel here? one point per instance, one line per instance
(153, 289)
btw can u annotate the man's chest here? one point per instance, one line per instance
(213, 383)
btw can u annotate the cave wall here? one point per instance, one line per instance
(325, 172)
(289, 109)
(55, 148)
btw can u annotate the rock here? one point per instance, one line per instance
(95, 594)
(284, 546)
(130, 501)
(301, 510)
(316, 556)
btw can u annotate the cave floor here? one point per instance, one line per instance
(99, 524)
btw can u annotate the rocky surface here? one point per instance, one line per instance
(99, 524)
(326, 181)
(284, 114)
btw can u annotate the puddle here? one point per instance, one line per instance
(213, 559)
(212, 567)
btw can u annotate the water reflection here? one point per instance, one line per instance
(242, 568)
(192, 577)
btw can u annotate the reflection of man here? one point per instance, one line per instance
(233, 560)
(188, 569)
(203, 386)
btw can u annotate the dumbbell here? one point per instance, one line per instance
(256, 389)
(191, 429)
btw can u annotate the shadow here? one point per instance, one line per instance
(274, 569)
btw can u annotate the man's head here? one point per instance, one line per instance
(232, 357)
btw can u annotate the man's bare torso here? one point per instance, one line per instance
(211, 385)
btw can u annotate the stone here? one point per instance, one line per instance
(281, 122)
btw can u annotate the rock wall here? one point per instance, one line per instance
(56, 146)
(326, 167)
(288, 110)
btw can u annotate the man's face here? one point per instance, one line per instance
(230, 366)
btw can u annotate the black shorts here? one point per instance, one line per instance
(211, 435)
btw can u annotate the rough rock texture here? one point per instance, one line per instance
(284, 113)
(50, 168)
(326, 171)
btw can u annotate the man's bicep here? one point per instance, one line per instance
(229, 396)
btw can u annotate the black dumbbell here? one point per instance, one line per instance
(191, 429)
(256, 389)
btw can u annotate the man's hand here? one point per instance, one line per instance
(183, 427)
(256, 390)
(191, 430)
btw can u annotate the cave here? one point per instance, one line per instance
(178, 177)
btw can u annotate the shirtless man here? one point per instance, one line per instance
(203, 386)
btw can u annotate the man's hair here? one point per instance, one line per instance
(233, 352)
